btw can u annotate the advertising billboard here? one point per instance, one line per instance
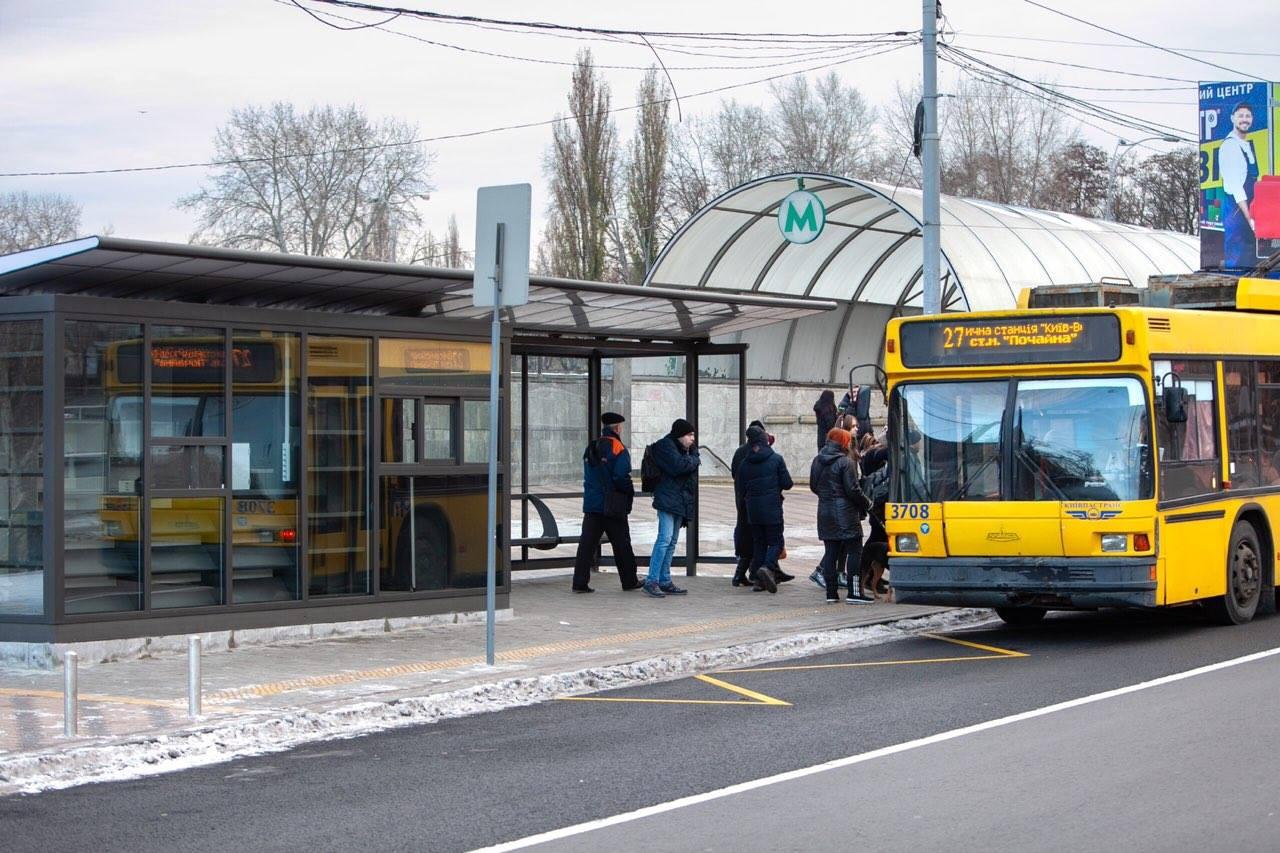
(1239, 190)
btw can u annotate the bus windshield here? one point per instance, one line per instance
(1051, 439)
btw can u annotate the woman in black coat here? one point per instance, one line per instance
(825, 410)
(833, 477)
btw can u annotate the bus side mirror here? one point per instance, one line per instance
(1175, 404)
(862, 403)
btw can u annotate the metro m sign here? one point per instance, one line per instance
(801, 217)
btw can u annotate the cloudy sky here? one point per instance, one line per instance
(101, 84)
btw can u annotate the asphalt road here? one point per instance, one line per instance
(497, 777)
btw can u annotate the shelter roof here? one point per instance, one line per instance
(136, 269)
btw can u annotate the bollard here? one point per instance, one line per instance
(193, 677)
(70, 695)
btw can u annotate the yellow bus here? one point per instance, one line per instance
(1073, 458)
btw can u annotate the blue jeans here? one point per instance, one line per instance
(664, 548)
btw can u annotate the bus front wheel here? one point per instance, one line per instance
(1244, 579)
(1021, 617)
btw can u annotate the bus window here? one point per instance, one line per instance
(1242, 423)
(948, 437)
(1081, 439)
(1188, 453)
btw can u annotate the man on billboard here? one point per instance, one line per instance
(1239, 168)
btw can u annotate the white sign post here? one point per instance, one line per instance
(501, 281)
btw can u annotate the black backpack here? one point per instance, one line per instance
(650, 473)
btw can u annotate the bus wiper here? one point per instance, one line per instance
(1020, 454)
(973, 478)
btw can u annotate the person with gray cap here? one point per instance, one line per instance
(607, 495)
(675, 498)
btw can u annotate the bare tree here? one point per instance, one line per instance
(1078, 181)
(826, 128)
(581, 168)
(28, 220)
(1170, 187)
(443, 251)
(645, 176)
(325, 182)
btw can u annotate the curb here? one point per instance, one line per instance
(263, 734)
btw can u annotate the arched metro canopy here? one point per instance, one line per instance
(868, 256)
(869, 250)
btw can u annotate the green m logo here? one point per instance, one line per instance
(801, 217)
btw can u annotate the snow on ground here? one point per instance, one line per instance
(245, 735)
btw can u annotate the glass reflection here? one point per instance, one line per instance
(186, 552)
(433, 532)
(21, 467)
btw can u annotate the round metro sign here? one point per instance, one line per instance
(801, 217)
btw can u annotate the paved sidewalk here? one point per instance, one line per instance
(553, 631)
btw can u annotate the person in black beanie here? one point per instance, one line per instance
(675, 499)
(607, 495)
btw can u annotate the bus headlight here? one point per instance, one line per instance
(906, 543)
(1115, 542)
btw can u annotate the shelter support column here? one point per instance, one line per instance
(691, 406)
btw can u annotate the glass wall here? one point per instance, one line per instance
(265, 442)
(433, 532)
(21, 467)
(102, 457)
(339, 457)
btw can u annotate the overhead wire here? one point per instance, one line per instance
(443, 137)
(1010, 37)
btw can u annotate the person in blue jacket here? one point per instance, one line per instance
(607, 495)
(675, 499)
(761, 481)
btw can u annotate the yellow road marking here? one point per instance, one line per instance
(1009, 653)
(752, 697)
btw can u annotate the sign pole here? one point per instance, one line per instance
(495, 362)
(931, 230)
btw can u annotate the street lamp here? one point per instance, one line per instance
(1116, 156)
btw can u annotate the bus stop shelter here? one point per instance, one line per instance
(197, 439)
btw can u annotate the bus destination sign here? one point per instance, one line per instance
(1012, 340)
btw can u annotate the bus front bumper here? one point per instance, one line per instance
(1050, 582)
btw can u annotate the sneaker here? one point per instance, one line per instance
(765, 579)
(782, 577)
(651, 590)
(816, 577)
(854, 598)
(842, 582)
(672, 589)
(833, 600)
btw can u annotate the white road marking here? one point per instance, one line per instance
(742, 787)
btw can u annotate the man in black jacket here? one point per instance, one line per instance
(762, 478)
(743, 548)
(675, 499)
(607, 494)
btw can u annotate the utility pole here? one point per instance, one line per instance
(932, 226)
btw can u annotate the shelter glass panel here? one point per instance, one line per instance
(475, 431)
(400, 430)
(188, 382)
(339, 464)
(433, 532)
(437, 430)
(22, 467)
(102, 458)
(265, 440)
(187, 551)
(433, 364)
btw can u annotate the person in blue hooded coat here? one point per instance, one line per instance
(675, 499)
(762, 479)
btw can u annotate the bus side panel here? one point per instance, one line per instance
(1193, 544)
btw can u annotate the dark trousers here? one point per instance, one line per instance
(743, 548)
(595, 525)
(840, 555)
(766, 542)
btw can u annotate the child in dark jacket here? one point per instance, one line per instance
(762, 479)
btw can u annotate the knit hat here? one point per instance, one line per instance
(680, 427)
(841, 437)
(756, 435)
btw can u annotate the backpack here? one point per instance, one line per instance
(650, 473)
(876, 487)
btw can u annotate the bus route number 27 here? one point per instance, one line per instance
(911, 511)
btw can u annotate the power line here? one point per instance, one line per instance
(1112, 44)
(1168, 50)
(866, 54)
(1080, 66)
